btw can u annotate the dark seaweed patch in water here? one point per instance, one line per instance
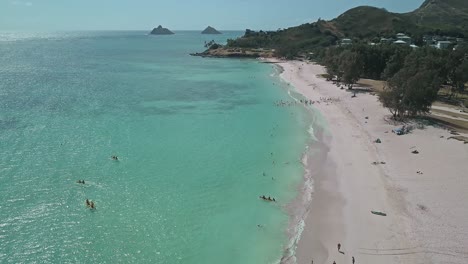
(232, 103)
(197, 91)
(169, 110)
(223, 105)
(226, 96)
(9, 124)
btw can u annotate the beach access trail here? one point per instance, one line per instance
(424, 195)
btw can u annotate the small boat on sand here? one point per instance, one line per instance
(379, 213)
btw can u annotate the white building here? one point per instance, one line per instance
(443, 44)
(400, 42)
(405, 39)
(386, 40)
(346, 41)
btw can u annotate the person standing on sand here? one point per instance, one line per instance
(353, 259)
(339, 247)
(334, 262)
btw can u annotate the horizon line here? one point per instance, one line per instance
(62, 30)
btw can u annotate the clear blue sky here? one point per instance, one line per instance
(37, 15)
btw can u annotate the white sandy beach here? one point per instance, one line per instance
(427, 215)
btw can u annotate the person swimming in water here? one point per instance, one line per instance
(88, 204)
(115, 157)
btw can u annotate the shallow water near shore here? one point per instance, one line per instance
(194, 139)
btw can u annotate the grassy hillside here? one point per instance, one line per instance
(367, 21)
(446, 17)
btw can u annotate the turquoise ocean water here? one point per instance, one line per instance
(193, 136)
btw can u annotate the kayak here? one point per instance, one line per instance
(379, 213)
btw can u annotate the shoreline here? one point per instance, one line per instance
(347, 186)
(299, 208)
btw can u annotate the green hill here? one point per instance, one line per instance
(368, 22)
(446, 17)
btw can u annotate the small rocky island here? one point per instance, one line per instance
(161, 31)
(211, 31)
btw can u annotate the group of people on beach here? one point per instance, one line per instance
(353, 260)
(294, 102)
(327, 100)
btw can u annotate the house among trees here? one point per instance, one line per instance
(400, 42)
(443, 44)
(429, 40)
(404, 38)
(386, 40)
(346, 41)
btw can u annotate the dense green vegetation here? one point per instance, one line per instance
(288, 42)
(413, 77)
(363, 24)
